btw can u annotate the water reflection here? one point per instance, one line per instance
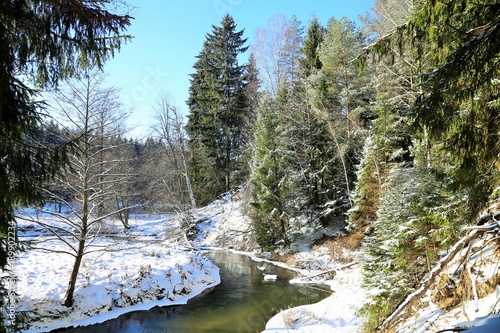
(242, 303)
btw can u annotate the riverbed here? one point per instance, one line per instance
(243, 302)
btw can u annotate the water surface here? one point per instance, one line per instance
(242, 302)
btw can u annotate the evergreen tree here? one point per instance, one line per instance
(310, 47)
(218, 109)
(252, 90)
(458, 103)
(253, 95)
(390, 137)
(343, 42)
(269, 178)
(416, 220)
(48, 41)
(341, 97)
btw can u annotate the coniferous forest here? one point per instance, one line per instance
(385, 133)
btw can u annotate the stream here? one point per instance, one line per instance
(242, 302)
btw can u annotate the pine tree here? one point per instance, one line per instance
(218, 109)
(341, 97)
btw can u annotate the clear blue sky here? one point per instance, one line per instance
(169, 34)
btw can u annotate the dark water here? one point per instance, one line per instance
(243, 302)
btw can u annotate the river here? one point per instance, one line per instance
(243, 302)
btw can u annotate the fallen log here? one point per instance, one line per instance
(333, 270)
(400, 312)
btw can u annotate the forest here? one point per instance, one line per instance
(387, 130)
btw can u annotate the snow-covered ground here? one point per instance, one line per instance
(483, 269)
(340, 312)
(157, 266)
(337, 313)
(143, 270)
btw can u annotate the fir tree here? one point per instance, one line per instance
(218, 109)
(310, 47)
(48, 41)
(269, 178)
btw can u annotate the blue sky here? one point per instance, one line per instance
(169, 34)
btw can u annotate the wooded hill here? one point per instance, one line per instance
(388, 131)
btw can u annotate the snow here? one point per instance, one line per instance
(336, 313)
(147, 271)
(157, 266)
(431, 318)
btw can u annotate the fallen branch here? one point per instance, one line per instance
(399, 313)
(335, 270)
(474, 232)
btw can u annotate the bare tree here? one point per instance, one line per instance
(169, 128)
(91, 119)
(277, 52)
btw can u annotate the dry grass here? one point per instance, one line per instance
(341, 246)
(290, 317)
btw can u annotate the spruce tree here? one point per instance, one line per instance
(218, 109)
(310, 47)
(458, 103)
(269, 178)
(416, 221)
(47, 41)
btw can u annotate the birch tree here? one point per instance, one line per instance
(169, 128)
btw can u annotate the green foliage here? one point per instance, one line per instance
(310, 47)
(46, 41)
(309, 136)
(462, 91)
(219, 110)
(417, 218)
(268, 177)
(457, 40)
(437, 97)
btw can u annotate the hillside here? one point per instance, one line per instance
(460, 288)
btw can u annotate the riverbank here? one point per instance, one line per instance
(337, 313)
(143, 270)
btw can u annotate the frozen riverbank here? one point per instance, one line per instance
(142, 271)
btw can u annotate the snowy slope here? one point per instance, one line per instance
(223, 224)
(483, 269)
(339, 312)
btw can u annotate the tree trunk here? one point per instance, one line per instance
(186, 177)
(123, 212)
(81, 248)
(74, 273)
